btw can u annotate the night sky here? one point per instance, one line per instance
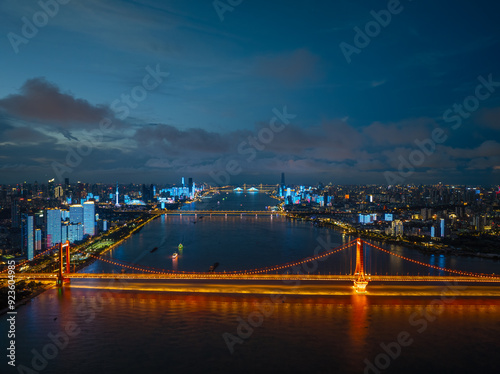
(149, 91)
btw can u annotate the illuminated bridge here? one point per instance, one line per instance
(247, 188)
(296, 271)
(221, 212)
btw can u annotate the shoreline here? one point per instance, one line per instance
(420, 248)
(46, 287)
(27, 299)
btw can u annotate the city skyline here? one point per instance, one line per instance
(390, 93)
(214, 186)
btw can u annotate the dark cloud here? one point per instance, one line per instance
(169, 140)
(42, 101)
(489, 148)
(403, 132)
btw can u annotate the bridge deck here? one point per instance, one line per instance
(218, 277)
(208, 212)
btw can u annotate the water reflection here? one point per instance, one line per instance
(302, 334)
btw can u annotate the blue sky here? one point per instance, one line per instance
(355, 121)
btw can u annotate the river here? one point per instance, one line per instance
(131, 328)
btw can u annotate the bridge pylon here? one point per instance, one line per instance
(60, 276)
(360, 283)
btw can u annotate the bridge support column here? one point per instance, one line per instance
(360, 283)
(60, 276)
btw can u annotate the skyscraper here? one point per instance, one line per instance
(38, 240)
(397, 228)
(15, 214)
(51, 188)
(88, 218)
(116, 195)
(75, 232)
(31, 237)
(53, 227)
(76, 213)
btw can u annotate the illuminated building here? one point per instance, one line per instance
(31, 237)
(38, 240)
(53, 227)
(89, 218)
(51, 188)
(397, 228)
(76, 214)
(75, 232)
(58, 192)
(27, 235)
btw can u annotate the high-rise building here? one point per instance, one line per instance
(190, 185)
(15, 214)
(53, 227)
(76, 213)
(116, 195)
(31, 237)
(75, 232)
(88, 218)
(38, 240)
(51, 188)
(145, 194)
(64, 215)
(397, 228)
(24, 233)
(442, 228)
(64, 231)
(58, 192)
(103, 225)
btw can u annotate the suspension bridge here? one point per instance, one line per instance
(302, 270)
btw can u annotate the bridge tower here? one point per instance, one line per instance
(60, 276)
(360, 283)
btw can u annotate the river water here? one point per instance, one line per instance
(131, 328)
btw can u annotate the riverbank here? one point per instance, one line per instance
(443, 249)
(44, 286)
(48, 285)
(133, 231)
